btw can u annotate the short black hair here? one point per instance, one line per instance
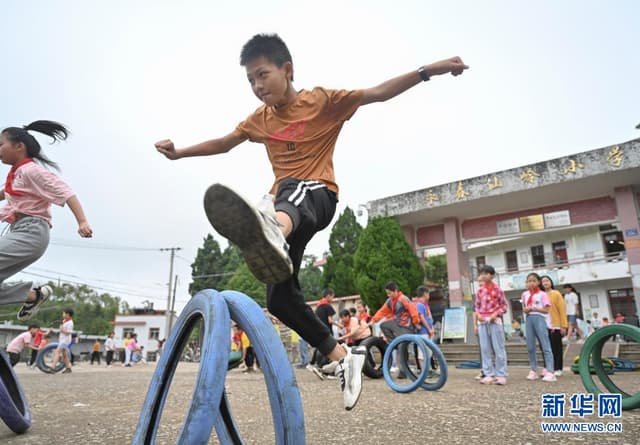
(487, 269)
(345, 313)
(34, 325)
(69, 311)
(269, 46)
(421, 291)
(391, 285)
(328, 291)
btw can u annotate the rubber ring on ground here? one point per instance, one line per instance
(209, 388)
(42, 353)
(372, 369)
(593, 348)
(284, 396)
(401, 343)
(444, 370)
(14, 409)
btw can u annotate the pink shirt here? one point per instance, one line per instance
(132, 345)
(538, 300)
(41, 188)
(490, 300)
(18, 343)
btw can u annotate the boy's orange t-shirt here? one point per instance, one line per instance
(300, 137)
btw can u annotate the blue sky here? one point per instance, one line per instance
(546, 79)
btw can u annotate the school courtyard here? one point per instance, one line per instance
(99, 405)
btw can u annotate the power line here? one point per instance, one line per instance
(113, 290)
(93, 279)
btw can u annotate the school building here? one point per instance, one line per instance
(574, 218)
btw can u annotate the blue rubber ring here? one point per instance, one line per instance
(40, 363)
(284, 396)
(444, 370)
(209, 388)
(14, 409)
(401, 344)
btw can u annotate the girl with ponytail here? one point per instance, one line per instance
(29, 190)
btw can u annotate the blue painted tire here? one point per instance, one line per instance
(444, 370)
(40, 363)
(401, 343)
(209, 388)
(284, 396)
(14, 409)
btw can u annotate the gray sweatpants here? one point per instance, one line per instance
(25, 242)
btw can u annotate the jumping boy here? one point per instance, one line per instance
(299, 129)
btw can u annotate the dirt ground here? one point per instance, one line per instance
(100, 405)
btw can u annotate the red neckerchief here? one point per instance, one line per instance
(531, 294)
(322, 302)
(8, 185)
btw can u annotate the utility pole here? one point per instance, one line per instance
(170, 285)
(173, 303)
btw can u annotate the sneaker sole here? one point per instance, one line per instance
(238, 221)
(35, 308)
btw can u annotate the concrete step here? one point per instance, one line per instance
(517, 354)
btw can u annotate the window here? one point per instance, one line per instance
(559, 252)
(613, 244)
(126, 331)
(537, 256)
(622, 301)
(512, 261)
(480, 262)
(154, 333)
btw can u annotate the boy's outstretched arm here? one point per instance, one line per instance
(211, 147)
(397, 85)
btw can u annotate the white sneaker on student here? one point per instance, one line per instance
(316, 371)
(330, 368)
(29, 309)
(255, 231)
(349, 371)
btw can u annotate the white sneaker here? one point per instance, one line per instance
(330, 368)
(532, 375)
(394, 369)
(316, 371)
(255, 231)
(28, 310)
(349, 371)
(557, 373)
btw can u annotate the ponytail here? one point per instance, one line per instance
(55, 130)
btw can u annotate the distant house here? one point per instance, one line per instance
(149, 324)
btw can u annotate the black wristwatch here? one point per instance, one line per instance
(423, 74)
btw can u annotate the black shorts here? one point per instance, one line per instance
(311, 206)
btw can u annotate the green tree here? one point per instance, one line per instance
(384, 255)
(310, 278)
(244, 281)
(343, 242)
(435, 269)
(205, 270)
(229, 263)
